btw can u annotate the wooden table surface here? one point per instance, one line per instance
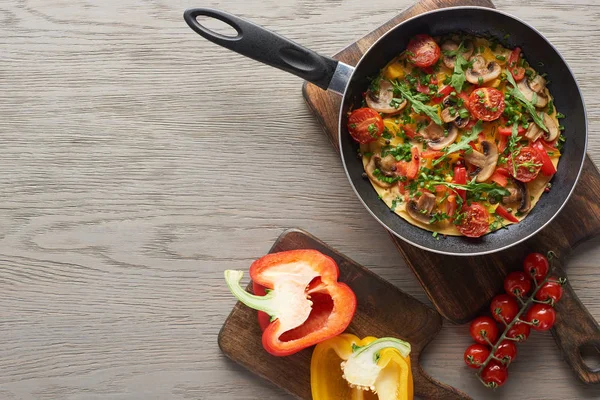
(138, 161)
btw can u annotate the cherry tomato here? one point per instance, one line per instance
(550, 290)
(525, 166)
(519, 331)
(486, 103)
(517, 72)
(506, 351)
(476, 354)
(536, 265)
(365, 125)
(482, 328)
(494, 374)
(475, 221)
(517, 284)
(542, 316)
(423, 51)
(504, 308)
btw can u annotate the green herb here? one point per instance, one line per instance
(500, 58)
(387, 179)
(516, 93)
(507, 36)
(498, 223)
(435, 235)
(373, 130)
(396, 202)
(560, 115)
(464, 113)
(458, 75)
(550, 109)
(463, 144)
(386, 133)
(416, 102)
(480, 80)
(352, 126)
(561, 142)
(400, 152)
(492, 189)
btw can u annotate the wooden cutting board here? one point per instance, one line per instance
(461, 287)
(409, 319)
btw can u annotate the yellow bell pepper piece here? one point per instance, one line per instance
(347, 368)
(394, 71)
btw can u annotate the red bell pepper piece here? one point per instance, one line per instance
(507, 130)
(502, 143)
(517, 72)
(500, 176)
(433, 154)
(409, 132)
(451, 205)
(410, 169)
(443, 92)
(460, 177)
(304, 300)
(503, 212)
(548, 168)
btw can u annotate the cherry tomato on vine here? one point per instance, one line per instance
(365, 125)
(494, 374)
(550, 290)
(519, 331)
(517, 284)
(536, 265)
(504, 308)
(482, 328)
(423, 51)
(506, 351)
(542, 316)
(476, 354)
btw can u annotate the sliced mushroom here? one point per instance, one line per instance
(534, 132)
(461, 122)
(451, 45)
(380, 101)
(520, 193)
(448, 117)
(421, 210)
(537, 87)
(482, 72)
(438, 136)
(486, 161)
(385, 165)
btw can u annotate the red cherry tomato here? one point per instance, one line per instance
(536, 265)
(494, 374)
(486, 103)
(365, 125)
(475, 221)
(423, 51)
(542, 316)
(482, 328)
(517, 72)
(506, 351)
(519, 331)
(550, 290)
(476, 354)
(504, 308)
(517, 284)
(525, 166)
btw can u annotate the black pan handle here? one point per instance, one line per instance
(265, 46)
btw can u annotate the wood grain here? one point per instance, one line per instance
(240, 337)
(122, 198)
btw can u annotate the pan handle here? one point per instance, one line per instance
(265, 46)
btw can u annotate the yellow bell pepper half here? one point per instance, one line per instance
(347, 368)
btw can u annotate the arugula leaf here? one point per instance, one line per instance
(516, 93)
(458, 77)
(463, 143)
(416, 102)
(492, 189)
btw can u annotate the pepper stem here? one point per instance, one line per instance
(261, 303)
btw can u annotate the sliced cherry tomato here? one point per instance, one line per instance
(494, 374)
(506, 351)
(517, 284)
(476, 354)
(519, 331)
(548, 168)
(433, 154)
(526, 165)
(442, 92)
(486, 103)
(423, 51)
(517, 72)
(482, 328)
(365, 125)
(551, 290)
(500, 176)
(504, 308)
(475, 222)
(542, 316)
(507, 130)
(536, 265)
(460, 177)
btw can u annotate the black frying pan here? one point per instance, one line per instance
(262, 45)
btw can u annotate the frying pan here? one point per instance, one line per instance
(351, 82)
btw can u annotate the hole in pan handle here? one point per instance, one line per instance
(262, 45)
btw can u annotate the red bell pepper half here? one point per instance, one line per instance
(306, 303)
